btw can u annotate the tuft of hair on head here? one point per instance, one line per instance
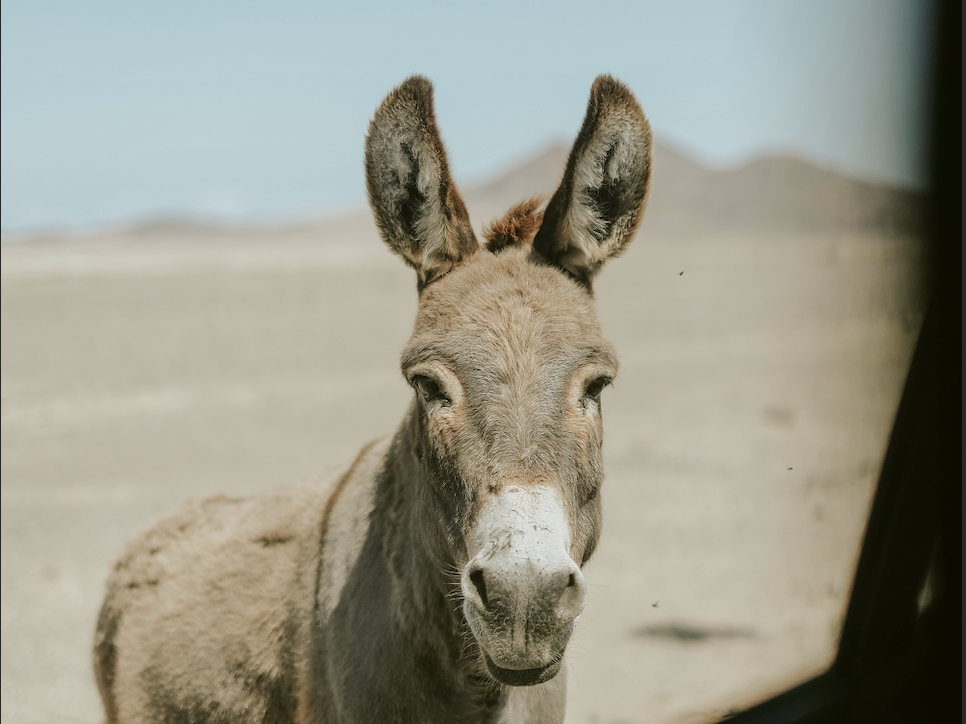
(517, 227)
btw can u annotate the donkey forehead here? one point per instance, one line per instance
(506, 315)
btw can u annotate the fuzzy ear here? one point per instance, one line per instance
(594, 213)
(417, 208)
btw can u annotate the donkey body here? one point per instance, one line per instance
(437, 578)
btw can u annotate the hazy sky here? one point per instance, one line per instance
(114, 111)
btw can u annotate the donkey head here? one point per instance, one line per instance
(508, 364)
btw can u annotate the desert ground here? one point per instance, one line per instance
(762, 361)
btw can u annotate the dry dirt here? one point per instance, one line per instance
(760, 373)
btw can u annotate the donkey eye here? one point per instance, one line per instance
(429, 389)
(595, 387)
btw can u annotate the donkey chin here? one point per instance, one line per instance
(522, 591)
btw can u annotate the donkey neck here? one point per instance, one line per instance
(422, 565)
(424, 569)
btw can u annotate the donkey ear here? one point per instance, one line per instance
(417, 208)
(594, 213)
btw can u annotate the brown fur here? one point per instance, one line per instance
(517, 227)
(349, 600)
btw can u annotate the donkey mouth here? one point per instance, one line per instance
(522, 677)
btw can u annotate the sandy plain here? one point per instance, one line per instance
(762, 363)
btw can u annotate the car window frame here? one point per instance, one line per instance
(900, 656)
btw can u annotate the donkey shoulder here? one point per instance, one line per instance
(212, 599)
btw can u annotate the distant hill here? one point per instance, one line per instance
(781, 192)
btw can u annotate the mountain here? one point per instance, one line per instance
(780, 192)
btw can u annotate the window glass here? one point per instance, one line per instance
(744, 438)
(193, 326)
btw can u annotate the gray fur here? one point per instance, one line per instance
(415, 203)
(596, 210)
(362, 598)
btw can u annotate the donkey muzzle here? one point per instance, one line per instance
(522, 592)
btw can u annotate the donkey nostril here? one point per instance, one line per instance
(477, 578)
(572, 581)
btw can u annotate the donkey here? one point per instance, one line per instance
(438, 577)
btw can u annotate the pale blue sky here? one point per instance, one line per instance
(238, 111)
